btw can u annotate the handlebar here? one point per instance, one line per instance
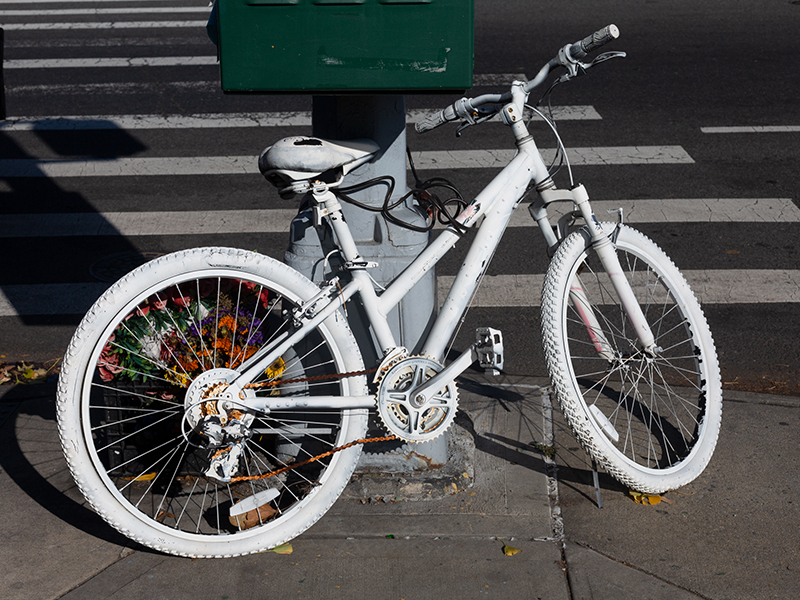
(589, 44)
(466, 108)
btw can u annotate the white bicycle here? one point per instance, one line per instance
(214, 402)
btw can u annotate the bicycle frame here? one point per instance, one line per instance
(495, 204)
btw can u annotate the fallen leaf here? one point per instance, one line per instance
(509, 550)
(144, 477)
(283, 549)
(642, 498)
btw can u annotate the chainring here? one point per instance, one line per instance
(402, 414)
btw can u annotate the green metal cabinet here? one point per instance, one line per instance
(346, 46)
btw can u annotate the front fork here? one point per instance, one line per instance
(606, 252)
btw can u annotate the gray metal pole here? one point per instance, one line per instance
(2, 78)
(381, 119)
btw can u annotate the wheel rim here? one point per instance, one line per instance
(648, 410)
(134, 425)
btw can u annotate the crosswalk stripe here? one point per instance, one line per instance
(211, 222)
(116, 88)
(227, 165)
(67, 1)
(74, 25)
(753, 129)
(136, 61)
(222, 120)
(66, 12)
(737, 286)
(147, 223)
(743, 286)
(608, 155)
(682, 210)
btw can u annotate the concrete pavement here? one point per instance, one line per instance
(730, 534)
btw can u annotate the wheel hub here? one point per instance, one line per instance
(213, 410)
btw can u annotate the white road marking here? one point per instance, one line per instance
(117, 88)
(220, 120)
(67, 1)
(223, 165)
(681, 210)
(736, 286)
(125, 167)
(500, 291)
(610, 155)
(136, 61)
(209, 222)
(66, 12)
(147, 223)
(753, 129)
(66, 26)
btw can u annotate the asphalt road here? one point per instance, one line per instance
(706, 78)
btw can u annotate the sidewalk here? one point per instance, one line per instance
(450, 546)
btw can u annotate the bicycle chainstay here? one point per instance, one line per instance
(387, 438)
(312, 378)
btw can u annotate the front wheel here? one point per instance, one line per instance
(650, 418)
(153, 441)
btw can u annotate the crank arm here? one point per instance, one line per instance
(453, 370)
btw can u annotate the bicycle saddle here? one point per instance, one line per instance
(300, 158)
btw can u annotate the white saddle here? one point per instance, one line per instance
(301, 158)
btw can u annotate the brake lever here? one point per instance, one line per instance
(480, 115)
(576, 67)
(606, 56)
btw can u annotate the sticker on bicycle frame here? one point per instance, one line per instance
(469, 213)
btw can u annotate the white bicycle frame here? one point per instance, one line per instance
(495, 204)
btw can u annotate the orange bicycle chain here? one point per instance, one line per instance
(387, 438)
(312, 378)
(324, 454)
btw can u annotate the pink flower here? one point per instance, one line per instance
(108, 363)
(158, 303)
(263, 296)
(180, 298)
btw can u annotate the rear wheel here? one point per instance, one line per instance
(153, 441)
(650, 419)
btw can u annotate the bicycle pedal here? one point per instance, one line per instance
(489, 346)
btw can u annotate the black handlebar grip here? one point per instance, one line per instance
(594, 41)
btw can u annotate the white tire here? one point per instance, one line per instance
(125, 425)
(652, 422)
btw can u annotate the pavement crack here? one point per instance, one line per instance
(640, 570)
